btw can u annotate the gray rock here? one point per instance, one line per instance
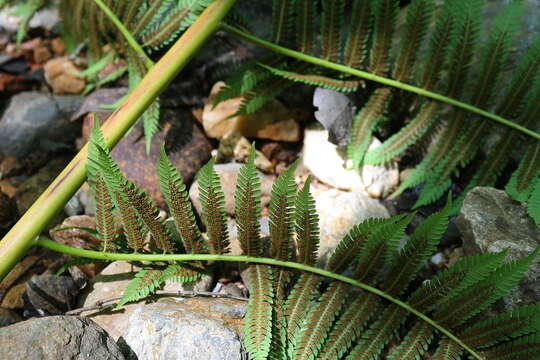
(490, 221)
(57, 338)
(52, 294)
(8, 317)
(228, 174)
(47, 19)
(335, 113)
(197, 328)
(324, 160)
(35, 121)
(112, 283)
(338, 212)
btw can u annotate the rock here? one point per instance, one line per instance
(490, 221)
(63, 76)
(94, 101)
(185, 143)
(231, 290)
(228, 174)
(46, 18)
(111, 283)
(197, 328)
(58, 46)
(70, 232)
(323, 159)
(335, 112)
(32, 187)
(35, 121)
(13, 298)
(338, 212)
(273, 121)
(41, 54)
(57, 338)
(234, 145)
(8, 317)
(51, 294)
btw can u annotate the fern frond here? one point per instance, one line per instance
(258, 319)
(248, 207)
(415, 344)
(306, 226)
(406, 136)
(533, 205)
(349, 326)
(305, 14)
(146, 17)
(104, 219)
(385, 14)
(521, 183)
(213, 211)
(526, 348)
(332, 17)
(93, 32)
(282, 11)
(261, 94)
(476, 298)
(319, 320)
(145, 283)
(180, 273)
(297, 304)
(419, 247)
(164, 32)
(364, 122)
(359, 34)
(151, 123)
(419, 14)
(132, 223)
(518, 322)
(281, 214)
(131, 11)
(325, 82)
(175, 194)
(447, 350)
(379, 334)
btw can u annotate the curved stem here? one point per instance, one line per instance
(53, 245)
(21, 236)
(125, 33)
(372, 77)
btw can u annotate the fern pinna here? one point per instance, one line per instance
(441, 54)
(299, 315)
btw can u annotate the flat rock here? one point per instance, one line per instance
(51, 294)
(198, 328)
(57, 338)
(338, 212)
(111, 283)
(273, 121)
(35, 121)
(228, 174)
(490, 221)
(323, 159)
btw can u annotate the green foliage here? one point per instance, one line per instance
(297, 315)
(435, 49)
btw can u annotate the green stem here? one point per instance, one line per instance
(64, 249)
(125, 32)
(14, 245)
(372, 77)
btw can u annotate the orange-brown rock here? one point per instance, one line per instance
(63, 76)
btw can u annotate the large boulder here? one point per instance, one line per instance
(57, 338)
(490, 221)
(196, 328)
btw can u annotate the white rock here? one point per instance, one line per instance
(323, 159)
(338, 212)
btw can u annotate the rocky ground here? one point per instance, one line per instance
(45, 119)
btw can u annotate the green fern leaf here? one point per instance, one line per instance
(306, 226)
(132, 223)
(151, 123)
(175, 194)
(145, 283)
(281, 20)
(359, 34)
(104, 219)
(415, 344)
(319, 320)
(521, 183)
(385, 14)
(419, 247)
(213, 211)
(332, 18)
(163, 33)
(258, 319)
(447, 350)
(306, 13)
(526, 348)
(281, 214)
(248, 207)
(533, 204)
(419, 14)
(147, 16)
(181, 273)
(345, 86)
(349, 326)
